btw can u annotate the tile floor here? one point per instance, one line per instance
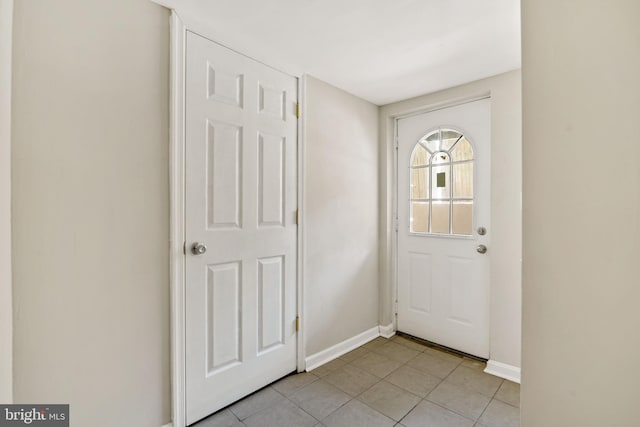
(386, 382)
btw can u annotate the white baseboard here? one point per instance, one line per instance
(387, 331)
(502, 370)
(341, 348)
(168, 425)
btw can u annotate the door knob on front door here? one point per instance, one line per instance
(482, 249)
(198, 248)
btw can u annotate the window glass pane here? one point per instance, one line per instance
(433, 141)
(440, 185)
(449, 137)
(420, 156)
(434, 177)
(462, 151)
(463, 180)
(440, 220)
(420, 183)
(440, 158)
(462, 217)
(419, 221)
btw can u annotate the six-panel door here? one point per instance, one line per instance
(241, 134)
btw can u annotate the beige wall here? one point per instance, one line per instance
(90, 209)
(506, 185)
(581, 269)
(340, 215)
(6, 320)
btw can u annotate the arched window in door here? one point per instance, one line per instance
(441, 193)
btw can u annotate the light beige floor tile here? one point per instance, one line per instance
(375, 343)
(474, 364)
(433, 365)
(459, 399)
(354, 354)
(509, 392)
(427, 414)
(224, 418)
(290, 384)
(475, 380)
(376, 364)
(351, 380)
(320, 399)
(458, 393)
(256, 402)
(441, 354)
(413, 345)
(282, 414)
(499, 414)
(410, 379)
(389, 400)
(396, 351)
(357, 414)
(327, 368)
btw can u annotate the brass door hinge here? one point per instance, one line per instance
(297, 323)
(298, 110)
(297, 216)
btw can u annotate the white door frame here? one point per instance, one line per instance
(392, 143)
(177, 263)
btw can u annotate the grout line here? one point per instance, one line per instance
(502, 401)
(301, 408)
(506, 403)
(420, 399)
(450, 410)
(357, 397)
(409, 411)
(491, 400)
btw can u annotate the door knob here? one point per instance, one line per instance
(482, 249)
(198, 248)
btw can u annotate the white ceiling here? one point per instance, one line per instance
(380, 50)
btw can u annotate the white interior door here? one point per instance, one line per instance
(443, 201)
(241, 142)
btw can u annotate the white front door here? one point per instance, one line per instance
(443, 226)
(241, 142)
